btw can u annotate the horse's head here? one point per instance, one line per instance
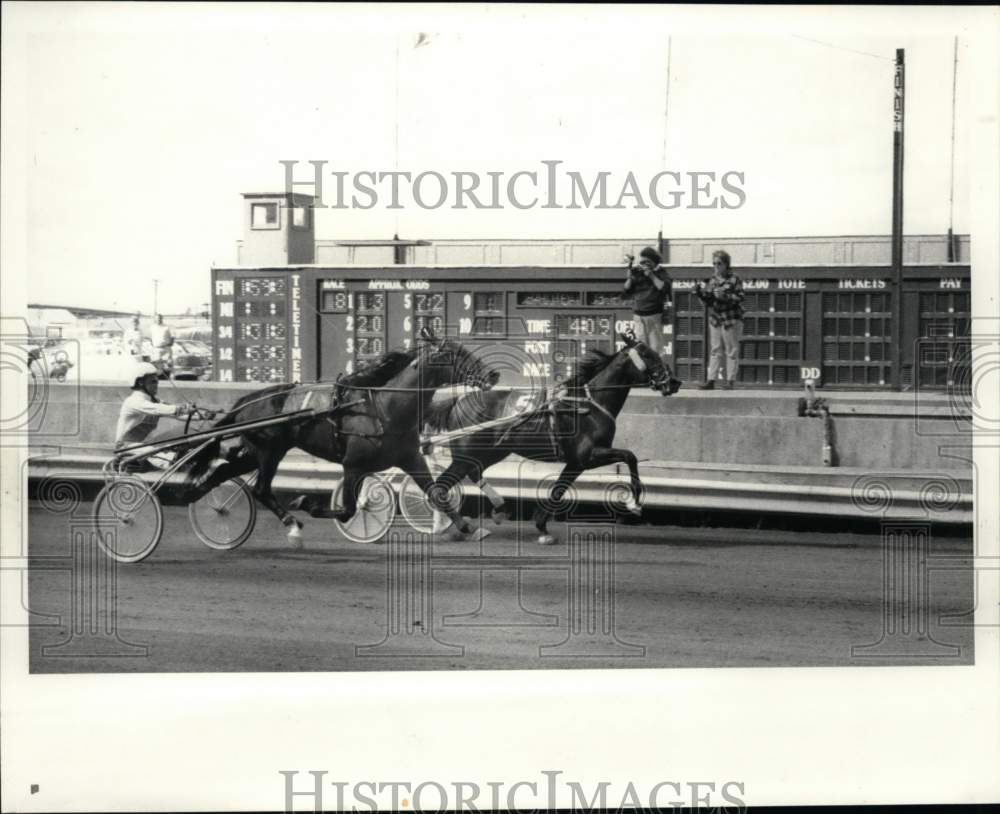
(451, 363)
(649, 365)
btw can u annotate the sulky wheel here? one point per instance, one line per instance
(128, 520)
(225, 517)
(375, 513)
(416, 507)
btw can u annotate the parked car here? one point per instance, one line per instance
(192, 359)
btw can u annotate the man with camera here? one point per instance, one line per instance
(723, 295)
(650, 287)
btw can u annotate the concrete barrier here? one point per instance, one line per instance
(875, 431)
(734, 451)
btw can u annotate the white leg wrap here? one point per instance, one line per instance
(490, 493)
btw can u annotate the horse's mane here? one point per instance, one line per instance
(592, 363)
(381, 370)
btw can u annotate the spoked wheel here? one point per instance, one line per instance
(375, 513)
(128, 520)
(224, 518)
(416, 507)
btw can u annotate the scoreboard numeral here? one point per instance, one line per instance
(225, 332)
(350, 322)
(408, 302)
(225, 354)
(226, 310)
(465, 325)
(350, 344)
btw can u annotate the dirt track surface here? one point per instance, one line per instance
(679, 597)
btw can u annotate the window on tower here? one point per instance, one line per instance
(300, 217)
(264, 216)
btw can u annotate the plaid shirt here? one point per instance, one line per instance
(723, 296)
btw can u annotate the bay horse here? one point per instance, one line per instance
(576, 427)
(366, 421)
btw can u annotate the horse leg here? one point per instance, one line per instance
(475, 473)
(352, 480)
(542, 515)
(436, 490)
(602, 456)
(499, 512)
(468, 467)
(267, 467)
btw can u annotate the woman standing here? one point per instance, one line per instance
(723, 295)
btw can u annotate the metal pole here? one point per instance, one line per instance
(156, 287)
(952, 254)
(897, 219)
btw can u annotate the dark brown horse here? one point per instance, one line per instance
(576, 427)
(367, 421)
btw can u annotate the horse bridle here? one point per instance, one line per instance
(654, 381)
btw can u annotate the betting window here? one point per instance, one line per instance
(944, 357)
(857, 338)
(689, 336)
(771, 350)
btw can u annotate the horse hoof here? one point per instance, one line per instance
(629, 503)
(297, 503)
(546, 539)
(441, 523)
(295, 536)
(481, 533)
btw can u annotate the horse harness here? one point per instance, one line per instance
(551, 408)
(339, 408)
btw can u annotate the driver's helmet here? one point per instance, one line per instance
(139, 371)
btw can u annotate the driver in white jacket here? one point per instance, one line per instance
(142, 410)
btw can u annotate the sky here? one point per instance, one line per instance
(141, 125)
